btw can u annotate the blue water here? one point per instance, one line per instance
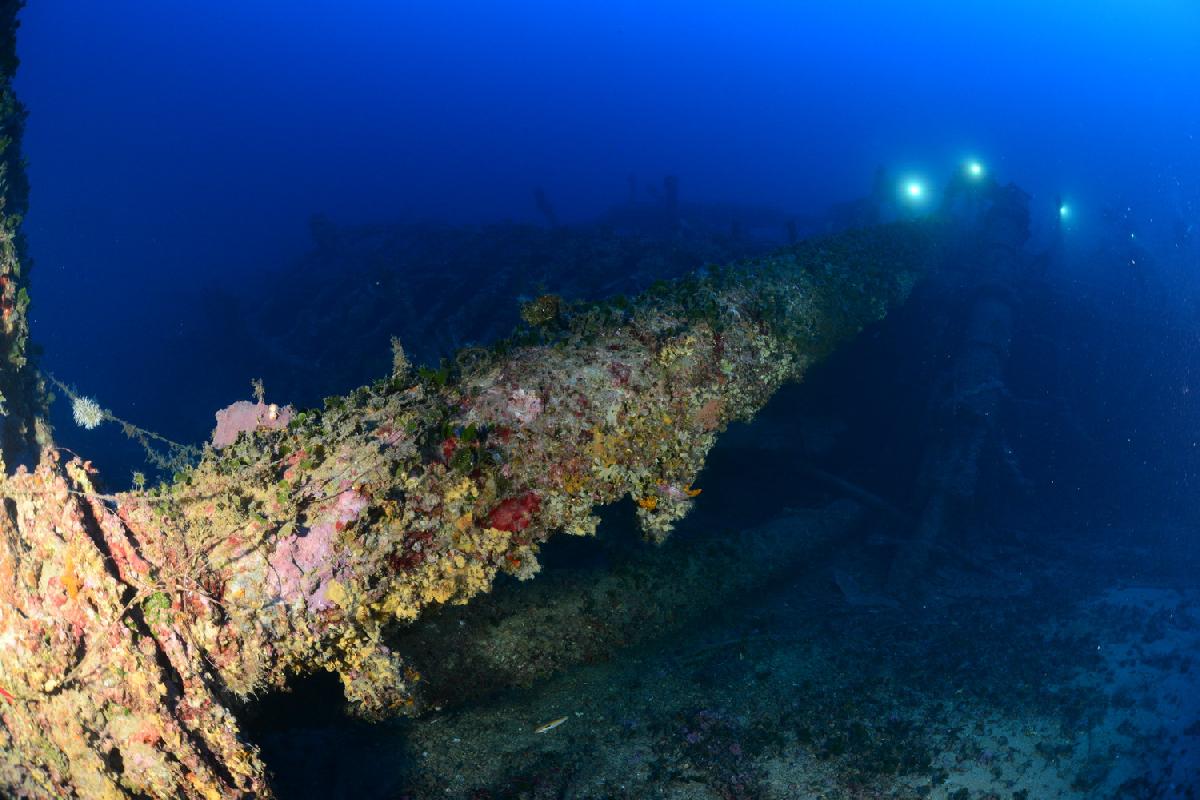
(226, 191)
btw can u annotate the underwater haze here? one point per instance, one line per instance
(177, 146)
(947, 551)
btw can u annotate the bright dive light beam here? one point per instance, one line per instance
(975, 169)
(1064, 211)
(914, 190)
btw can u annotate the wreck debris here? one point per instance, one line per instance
(520, 638)
(133, 625)
(966, 408)
(293, 549)
(551, 725)
(22, 392)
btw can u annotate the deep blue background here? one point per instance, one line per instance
(175, 144)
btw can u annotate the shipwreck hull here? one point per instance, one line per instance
(135, 625)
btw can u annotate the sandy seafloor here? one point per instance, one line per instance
(1051, 667)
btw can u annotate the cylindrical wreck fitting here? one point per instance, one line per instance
(132, 624)
(519, 638)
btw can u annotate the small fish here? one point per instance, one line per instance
(549, 726)
(12, 699)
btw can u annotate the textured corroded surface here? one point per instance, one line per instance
(20, 388)
(102, 695)
(293, 548)
(419, 490)
(131, 626)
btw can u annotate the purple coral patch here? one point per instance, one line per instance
(305, 564)
(245, 416)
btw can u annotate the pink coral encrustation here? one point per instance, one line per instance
(244, 416)
(304, 565)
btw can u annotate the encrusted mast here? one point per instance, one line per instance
(20, 388)
(132, 626)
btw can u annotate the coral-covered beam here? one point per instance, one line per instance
(21, 392)
(132, 627)
(295, 545)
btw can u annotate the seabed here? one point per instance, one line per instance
(1053, 666)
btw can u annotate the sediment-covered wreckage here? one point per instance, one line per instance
(135, 625)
